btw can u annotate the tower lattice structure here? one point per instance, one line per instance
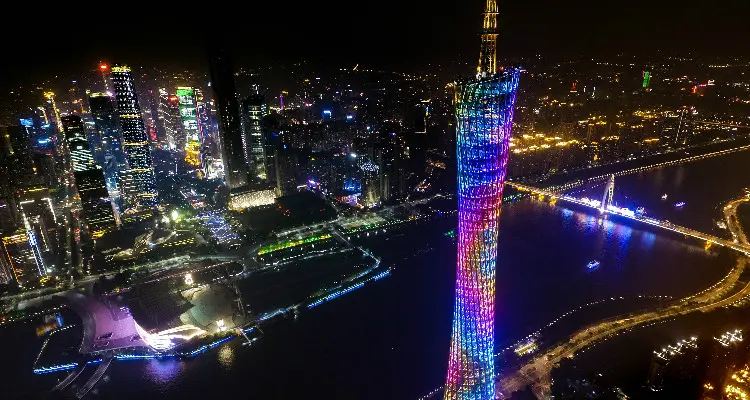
(484, 116)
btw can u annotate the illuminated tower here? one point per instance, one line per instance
(484, 115)
(190, 127)
(168, 121)
(252, 138)
(139, 188)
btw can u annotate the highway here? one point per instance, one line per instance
(730, 215)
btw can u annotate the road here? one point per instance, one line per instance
(730, 214)
(536, 372)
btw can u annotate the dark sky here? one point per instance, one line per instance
(404, 34)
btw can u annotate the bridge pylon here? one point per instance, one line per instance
(609, 191)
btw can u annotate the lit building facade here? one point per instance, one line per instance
(168, 121)
(98, 209)
(81, 158)
(16, 162)
(252, 137)
(108, 128)
(484, 116)
(40, 231)
(18, 262)
(190, 127)
(139, 190)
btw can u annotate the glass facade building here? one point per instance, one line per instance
(228, 114)
(252, 138)
(96, 203)
(139, 187)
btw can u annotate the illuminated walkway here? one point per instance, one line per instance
(629, 214)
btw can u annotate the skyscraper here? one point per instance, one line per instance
(81, 158)
(16, 163)
(228, 113)
(97, 206)
(252, 135)
(190, 128)
(168, 121)
(484, 114)
(107, 126)
(139, 189)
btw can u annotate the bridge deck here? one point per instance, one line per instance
(646, 220)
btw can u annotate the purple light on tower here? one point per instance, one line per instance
(484, 116)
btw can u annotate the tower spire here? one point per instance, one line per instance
(488, 51)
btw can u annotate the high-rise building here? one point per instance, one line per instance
(484, 116)
(190, 127)
(228, 113)
(168, 122)
(392, 156)
(81, 158)
(108, 129)
(252, 135)
(139, 190)
(18, 260)
(16, 163)
(40, 231)
(98, 208)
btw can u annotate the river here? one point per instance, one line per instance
(390, 339)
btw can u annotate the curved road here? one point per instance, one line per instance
(536, 372)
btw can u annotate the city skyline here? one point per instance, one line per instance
(386, 35)
(465, 201)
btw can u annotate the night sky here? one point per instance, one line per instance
(402, 34)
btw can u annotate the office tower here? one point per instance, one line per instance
(391, 157)
(204, 118)
(18, 261)
(252, 135)
(106, 76)
(76, 99)
(108, 129)
(40, 230)
(81, 158)
(371, 193)
(484, 114)
(422, 110)
(139, 190)
(168, 121)
(228, 113)
(646, 79)
(98, 210)
(190, 128)
(16, 162)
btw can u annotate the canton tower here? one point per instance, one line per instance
(484, 115)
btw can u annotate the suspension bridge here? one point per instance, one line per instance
(605, 207)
